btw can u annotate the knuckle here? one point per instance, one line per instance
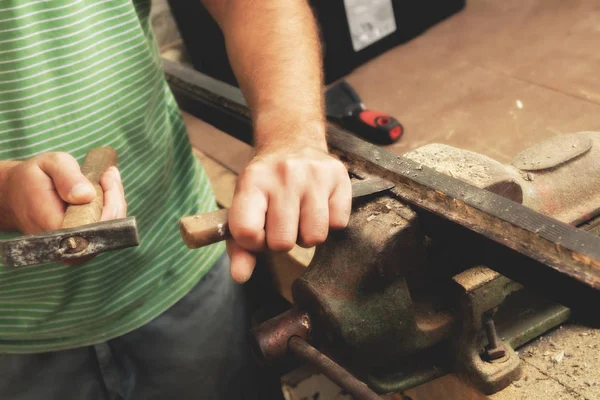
(244, 233)
(281, 244)
(339, 167)
(252, 171)
(338, 224)
(280, 238)
(15, 173)
(288, 168)
(251, 177)
(58, 157)
(340, 221)
(257, 168)
(316, 168)
(105, 179)
(314, 238)
(315, 165)
(316, 231)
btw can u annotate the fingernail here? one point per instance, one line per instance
(82, 190)
(116, 211)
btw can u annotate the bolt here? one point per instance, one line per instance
(71, 243)
(494, 350)
(490, 330)
(74, 244)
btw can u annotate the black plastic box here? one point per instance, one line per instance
(206, 48)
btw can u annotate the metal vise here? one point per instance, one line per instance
(397, 308)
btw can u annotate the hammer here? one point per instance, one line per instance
(81, 235)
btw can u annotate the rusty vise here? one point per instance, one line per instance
(397, 307)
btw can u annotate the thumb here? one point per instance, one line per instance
(72, 186)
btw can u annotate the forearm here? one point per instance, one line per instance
(274, 50)
(6, 218)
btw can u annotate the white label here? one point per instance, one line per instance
(369, 20)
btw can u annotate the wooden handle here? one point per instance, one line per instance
(204, 229)
(96, 162)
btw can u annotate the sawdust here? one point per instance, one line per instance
(553, 152)
(464, 165)
(534, 385)
(565, 364)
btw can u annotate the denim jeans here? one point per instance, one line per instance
(195, 350)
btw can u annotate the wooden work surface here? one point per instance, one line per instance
(496, 78)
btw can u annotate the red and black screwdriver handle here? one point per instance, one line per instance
(373, 126)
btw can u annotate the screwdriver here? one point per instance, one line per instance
(345, 107)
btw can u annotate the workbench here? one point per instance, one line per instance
(496, 78)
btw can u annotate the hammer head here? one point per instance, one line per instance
(69, 244)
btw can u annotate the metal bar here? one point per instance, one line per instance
(518, 242)
(330, 369)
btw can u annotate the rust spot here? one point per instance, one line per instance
(585, 260)
(268, 341)
(305, 322)
(558, 248)
(469, 211)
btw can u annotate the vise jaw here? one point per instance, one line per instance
(356, 288)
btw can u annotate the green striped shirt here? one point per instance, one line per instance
(77, 74)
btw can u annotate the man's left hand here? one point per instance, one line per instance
(286, 195)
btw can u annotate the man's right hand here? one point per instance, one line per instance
(34, 193)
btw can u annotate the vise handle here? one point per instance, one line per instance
(289, 333)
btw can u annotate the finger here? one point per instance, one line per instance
(30, 227)
(247, 217)
(282, 220)
(314, 218)
(114, 202)
(123, 209)
(242, 261)
(70, 183)
(39, 206)
(49, 213)
(340, 205)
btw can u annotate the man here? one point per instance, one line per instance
(158, 321)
